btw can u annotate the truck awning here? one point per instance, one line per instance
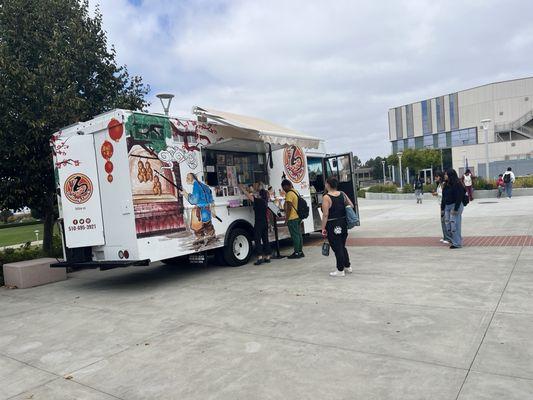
(266, 131)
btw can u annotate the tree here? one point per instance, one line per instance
(5, 214)
(377, 167)
(357, 162)
(55, 69)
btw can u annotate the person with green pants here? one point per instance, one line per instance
(292, 219)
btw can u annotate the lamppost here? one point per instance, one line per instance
(166, 99)
(383, 164)
(390, 173)
(486, 123)
(400, 162)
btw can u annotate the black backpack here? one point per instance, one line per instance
(303, 208)
(507, 178)
(466, 199)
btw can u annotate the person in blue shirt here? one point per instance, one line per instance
(202, 198)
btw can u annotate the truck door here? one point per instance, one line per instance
(341, 167)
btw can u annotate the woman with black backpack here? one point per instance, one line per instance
(335, 224)
(453, 196)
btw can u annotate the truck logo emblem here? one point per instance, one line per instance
(294, 162)
(78, 188)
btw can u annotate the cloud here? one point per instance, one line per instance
(327, 68)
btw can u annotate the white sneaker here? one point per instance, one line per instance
(336, 273)
(348, 270)
(445, 242)
(441, 240)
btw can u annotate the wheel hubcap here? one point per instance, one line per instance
(241, 247)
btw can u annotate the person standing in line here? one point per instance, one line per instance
(262, 243)
(419, 189)
(292, 219)
(468, 182)
(500, 186)
(453, 195)
(439, 180)
(334, 225)
(508, 179)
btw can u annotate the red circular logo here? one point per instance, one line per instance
(115, 130)
(78, 188)
(294, 162)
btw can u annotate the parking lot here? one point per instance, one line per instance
(414, 321)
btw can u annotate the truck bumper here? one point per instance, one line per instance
(102, 265)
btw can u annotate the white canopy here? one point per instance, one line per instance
(266, 131)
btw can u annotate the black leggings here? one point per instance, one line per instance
(262, 244)
(337, 234)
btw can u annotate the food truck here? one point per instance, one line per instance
(135, 187)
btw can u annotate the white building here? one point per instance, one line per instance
(452, 122)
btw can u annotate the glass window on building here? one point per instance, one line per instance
(454, 111)
(464, 137)
(441, 141)
(435, 141)
(400, 145)
(394, 147)
(427, 125)
(409, 120)
(411, 143)
(439, 101)
(428, 141)
(419, 142)
(399, 124)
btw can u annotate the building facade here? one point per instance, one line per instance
(453, 123)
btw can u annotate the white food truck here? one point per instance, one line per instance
(135, 188)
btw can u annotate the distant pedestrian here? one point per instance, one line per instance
(419, 189)
(439, 180)
(453, 195)
(508, 179)
(292, 218)
(500, 185)
(334, 224)
(468, 182)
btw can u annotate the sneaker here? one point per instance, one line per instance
(294, 255)
(445, 242)
(336, 273)
(454, 247)
(266, 260)
(301, 254)
(259, 261)
(441, 240)
(348, 270)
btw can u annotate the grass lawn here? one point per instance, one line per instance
(20, 234)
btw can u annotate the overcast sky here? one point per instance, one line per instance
(328, 68)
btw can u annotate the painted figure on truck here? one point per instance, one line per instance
(203, 210)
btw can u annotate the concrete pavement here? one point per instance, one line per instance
(410, 323)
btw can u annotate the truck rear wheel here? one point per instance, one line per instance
(238, 249)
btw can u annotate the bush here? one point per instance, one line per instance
(25, 252)
(524, 182)
(388, 188)
(361, 193)
(16, 224)
(482, 184)
(408, 188)
(430, 188)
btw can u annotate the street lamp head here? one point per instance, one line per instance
(166, 99)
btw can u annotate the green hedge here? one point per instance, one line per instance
(408, 188)
(361, 193)
(17, 224)
(524, 182)
(383, 189)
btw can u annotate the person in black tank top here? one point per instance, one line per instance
(334, 225)
(262, 243)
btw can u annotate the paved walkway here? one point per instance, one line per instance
(409, 323)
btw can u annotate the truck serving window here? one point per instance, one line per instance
(225, 170)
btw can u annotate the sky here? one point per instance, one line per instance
(331, 69)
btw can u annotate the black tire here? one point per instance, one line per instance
(238, 240)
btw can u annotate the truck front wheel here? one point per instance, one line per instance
(238, 249)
